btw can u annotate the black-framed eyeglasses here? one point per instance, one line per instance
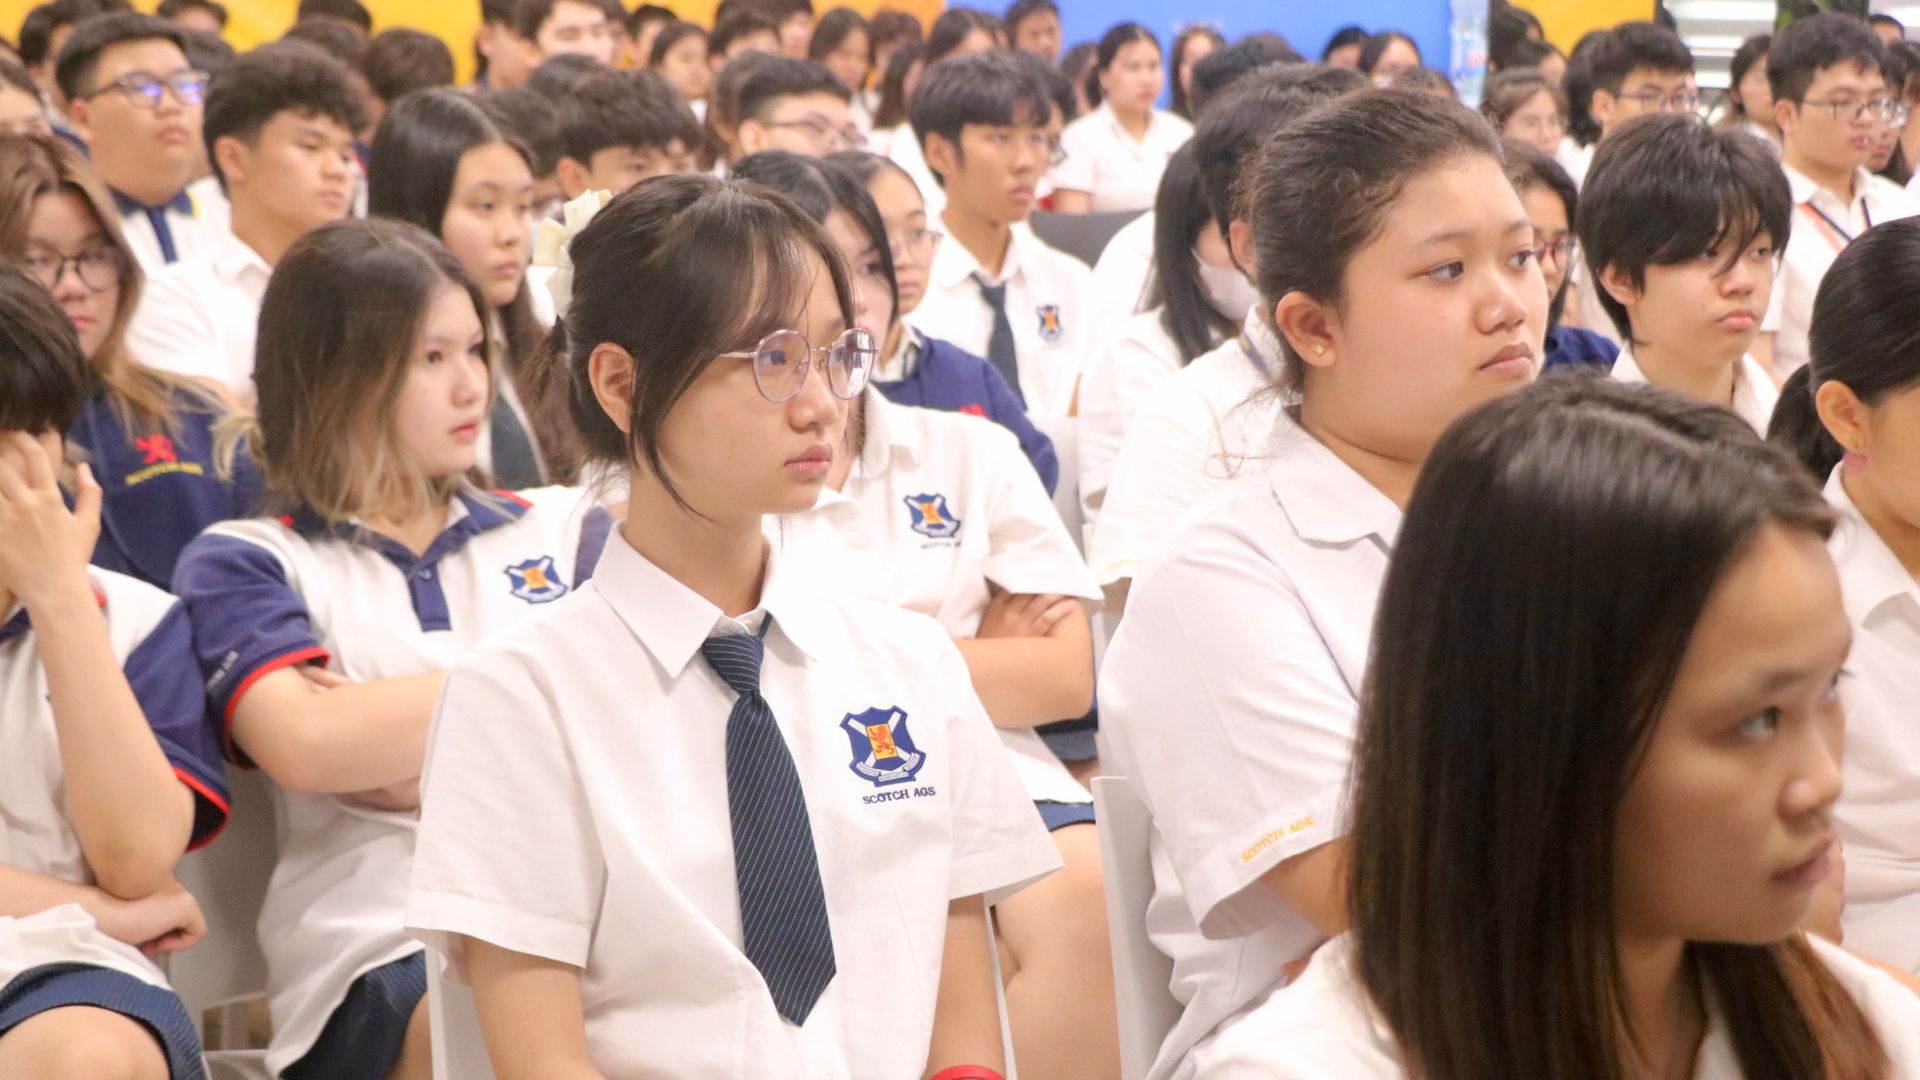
(1680, 101)
(1561, 250)
(99, 267)
(783, 359)
(143, 89)
(823, 133)
(1877, 110)
(919, 243)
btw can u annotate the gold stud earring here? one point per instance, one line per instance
(1319, 350)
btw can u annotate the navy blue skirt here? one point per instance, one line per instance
(1059, 815)
(364, 1036)
(160, 1011)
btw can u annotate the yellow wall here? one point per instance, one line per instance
(1566, 20)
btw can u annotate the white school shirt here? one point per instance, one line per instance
(1586, 300)
(1812, 245)
(1229, 698)
(148, 634)
(937, 505)
(903, 149)
(1046, 305)
(1878, 815)
(1197, 432)
(1325, 1025)
(1574, 158)
(1119, 377)
(1120, 274)
(264, 595)
(190, 231)
(606, 730)
(1104, 161)
(199, 317)
(1754, 394)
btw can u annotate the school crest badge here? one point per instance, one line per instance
(883, 749)
(1049, 323)
(931, 516)
(536, 581)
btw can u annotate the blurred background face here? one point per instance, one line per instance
(1133, 81)
(1039, 34)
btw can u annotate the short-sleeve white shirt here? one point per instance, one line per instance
(199, 317)
(1878, 814)
(1812, 245)
(1120, 275)
(605, 730)
(1046, 304)
(1104, 161)
(191, 234)
(1754, 394)
(1230, 698)
(1191, 438)
(1120, 376)
(938, 505)
(1324, 1025)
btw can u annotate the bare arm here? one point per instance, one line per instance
(531, 1012)
(1032, 662)
(966, 1018)
(1071, 202)
(167, 920)
(1314, 884)
(352, 738)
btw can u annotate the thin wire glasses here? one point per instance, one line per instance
(143, 89)
(1878, 110)
(783, 358)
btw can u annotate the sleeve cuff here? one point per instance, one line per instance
(1218, 881)
(266, 667)
(440, 919)
(210, 809)
(999, 872)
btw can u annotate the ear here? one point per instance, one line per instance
(942, 156)
(1308, 326)
(1240, 245)
(751, 136)
(611, 371)
(1785, 115)
(1620, 286)
(232, 156)
(1601, 107)
(1846, 417)
(80, 116)
(572, 177)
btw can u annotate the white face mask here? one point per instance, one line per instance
(1228, 290)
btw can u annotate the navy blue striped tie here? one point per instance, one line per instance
(783, 909)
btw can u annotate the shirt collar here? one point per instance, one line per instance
(886, 434)
(1870, 573)
(233, 257)
(672, 620)
(181, 203)
(471, 513)
(1327, 502)
(953, 263)
(1805, 190)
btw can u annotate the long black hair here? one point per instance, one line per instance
(1180, 211)
(1865, 335)
(1590, 520)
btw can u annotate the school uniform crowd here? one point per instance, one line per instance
(677, 526)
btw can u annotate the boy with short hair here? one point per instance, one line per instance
(795, 105)
(622, 127)
(280, 124)
(1829, 94)
(136, 103)
(997, 291)
(1681, 225)
(564, 26)
(502, 58)
(739, 32)
(44, 32)
(1034, 27)
(400, 61)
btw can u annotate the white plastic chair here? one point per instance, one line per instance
(225, 972)
(1141, 973)
(453, 1019)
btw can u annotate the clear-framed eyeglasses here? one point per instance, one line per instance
(783, 359)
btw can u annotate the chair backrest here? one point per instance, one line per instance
(1141, 973)
(453, 1020)
(1083, 236)
(229, 878)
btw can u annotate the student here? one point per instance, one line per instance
(723, 113)
(1343, 48)
(622, 127)
(1523, 105)
(1197, 297)
(551, 923)
(1848, 414)
(564, 26)
(112, 769)
(1190, 46)
(136, 104)
(1749, 97)
(844, 45)
(1387, 54)
(44, 33)
(1632, 813)
(504, 58)
(400, 61)
(148, 435)
(644, 24)
(351, 14)
(22, 112)
(741, 32)
(1247, 642)
(195, 16)
(994, 290)
(533, 122)
(1548, 195)
(440, 163)
(798, 106)
(1632, 70)
(1886, 160)
(1006, 582)
(1034, 26)
(914, 369)
(964, 31)
(1183, 439)
(795, 20)
(1890, 29)
(680, 56)
(892, 29)
(1828, 93)
(325, 634)
(558, 77)
(280, 129)
(1115, 154)
(893, 130)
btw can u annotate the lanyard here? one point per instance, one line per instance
(1833, 228)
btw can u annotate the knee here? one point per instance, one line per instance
(115, 1058)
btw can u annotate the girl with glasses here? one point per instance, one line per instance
(751, 816)
(1551, 202)
(149, 435)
